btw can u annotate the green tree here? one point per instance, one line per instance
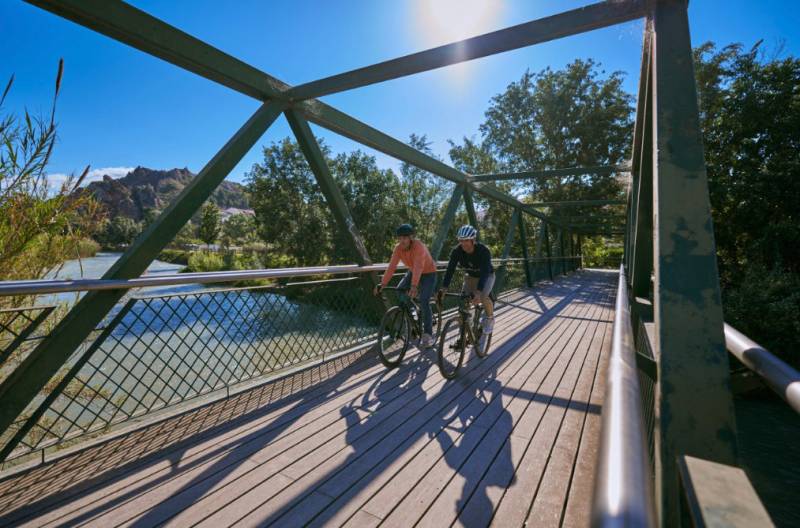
(375, 201)
(119, 231)
(239, 229)
(41, 225)
(291, 214)
(424, 196)
(209, 223)
(750, 117)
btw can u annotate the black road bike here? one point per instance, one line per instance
(465, 326)
(401, 325)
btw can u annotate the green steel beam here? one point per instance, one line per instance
(641, 228)
(469, 205)
(20, 388)
(693, 397)
(524, 236)
(578, 203)
(447, 221)
(503, 271)
(136, 28)
(316, 160)
(579, 20)
(546, 174)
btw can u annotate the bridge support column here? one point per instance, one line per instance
(694, 410)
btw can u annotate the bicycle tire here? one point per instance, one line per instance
(394, 336)
(436, 323)
(482, 341)
(450, 358)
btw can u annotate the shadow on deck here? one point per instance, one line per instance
(512, 439)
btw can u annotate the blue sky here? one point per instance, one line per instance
(121, 108)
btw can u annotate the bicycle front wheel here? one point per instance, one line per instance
(482, 340)
(452, 343)
(394, 335)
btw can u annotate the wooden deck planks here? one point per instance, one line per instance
(511, 440)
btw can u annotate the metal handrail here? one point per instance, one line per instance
(781, 377)
(42, 286)
(623, 492)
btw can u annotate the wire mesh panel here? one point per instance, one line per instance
(160, 351)
(18, 325)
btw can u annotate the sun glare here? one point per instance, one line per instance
(445, 21)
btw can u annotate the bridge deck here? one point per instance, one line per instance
(513, 439)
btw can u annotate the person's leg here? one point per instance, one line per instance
(427, 283)
(486, 296)
(488, 305)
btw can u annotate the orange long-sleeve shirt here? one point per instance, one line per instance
(416, 257)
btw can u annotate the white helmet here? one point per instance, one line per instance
(467, 232)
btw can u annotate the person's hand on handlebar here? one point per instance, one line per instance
(476, 299)
(412, 292)
(440, 295)
(377, 290)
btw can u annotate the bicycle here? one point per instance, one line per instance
(467, 332)
(399, 325)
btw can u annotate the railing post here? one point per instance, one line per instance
(693, 399)
(31, 376)
(523, 234)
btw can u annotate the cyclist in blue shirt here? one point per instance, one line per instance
(476, 260)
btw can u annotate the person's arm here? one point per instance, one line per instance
(417, 263)
(395, 260)
(451, 268)
(485, 265)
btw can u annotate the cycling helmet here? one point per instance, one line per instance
(404, 230)
(467, 232)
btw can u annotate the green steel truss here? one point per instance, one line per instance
(669, 253)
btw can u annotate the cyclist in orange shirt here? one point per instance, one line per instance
(420, 278)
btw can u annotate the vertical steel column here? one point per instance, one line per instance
(641, 261)
(502, 273)
(580, 250)
(693, 399)
(447, 221)
(30, 377)
(523, 234)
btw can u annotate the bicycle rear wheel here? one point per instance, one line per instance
(452, 343)
(394, 335)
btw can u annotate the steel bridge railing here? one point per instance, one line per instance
(623, 494)
(161, 353)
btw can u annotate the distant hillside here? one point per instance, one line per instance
(144, 189)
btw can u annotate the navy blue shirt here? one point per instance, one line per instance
(476, 264)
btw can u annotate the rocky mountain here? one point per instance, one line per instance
(144, 189)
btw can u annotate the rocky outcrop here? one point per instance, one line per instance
(143, 189)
